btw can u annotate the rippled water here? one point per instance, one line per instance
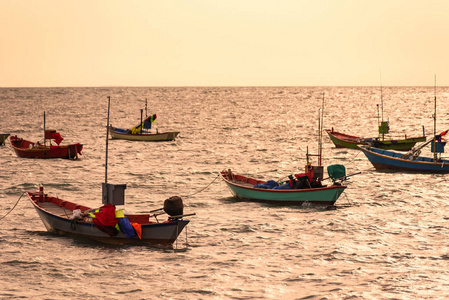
(387, 238)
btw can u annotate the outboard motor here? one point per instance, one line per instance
(173, 206)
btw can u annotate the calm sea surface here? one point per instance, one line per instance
(388, 238)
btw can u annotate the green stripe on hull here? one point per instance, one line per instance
(324, 195)
(342, 144)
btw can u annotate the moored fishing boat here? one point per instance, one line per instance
(125, 134)
(300, 192)
(142, 131)
(390, 160)
(67, 218)
(3, 137)
(27, 149)
(342, 140)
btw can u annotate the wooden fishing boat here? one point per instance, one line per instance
(124, 134)
(141, 132)
(410, 161)
(27, 149)
(107, 224)
(384, 159)
(3, 137)
(342, 140)
(250, 189)
(67, 218)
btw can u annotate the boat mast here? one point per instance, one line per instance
(382, 104)
(146, 109)
(383, 125)
(105, 190)
(45, 140)
(435, 122)
(111, 193)
(320, 133)
(378, 115)
(141, 121)
(320, 137)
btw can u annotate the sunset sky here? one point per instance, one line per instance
(51, 43)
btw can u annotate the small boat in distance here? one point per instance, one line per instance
(125, 134)
(3, 137)
(342, 140)
(27, 149)
(141, 132)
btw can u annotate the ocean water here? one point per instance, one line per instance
(386, 239)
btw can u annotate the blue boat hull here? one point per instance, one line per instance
(390, 160)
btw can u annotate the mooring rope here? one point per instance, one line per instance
(347, 199)
(202, 188)
(354, 157)
(13, 207)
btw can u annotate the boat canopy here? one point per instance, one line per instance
(336, 172)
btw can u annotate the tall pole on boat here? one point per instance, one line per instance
(319, 137)
(141, 121)
(45, 140)
(378, 116)
(105, 193)
(146, 109)
(435, 122)
(382, 104)
(321, 126)
(382, 101)
(383, 126)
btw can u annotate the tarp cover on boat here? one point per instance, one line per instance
(146, 124)
(270, 184)
(105, 219)
(126, 227)
(336, 171)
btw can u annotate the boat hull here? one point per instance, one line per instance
(243, 189)
(389, 160)
(148, 137)
(27, 149)
(342, 140)
(152, 233)
(3, 137)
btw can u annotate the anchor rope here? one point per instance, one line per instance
(202, 188)
(12, 207)
(352, 160)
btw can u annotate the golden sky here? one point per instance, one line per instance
(223, 43)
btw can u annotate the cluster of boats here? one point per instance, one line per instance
(105, 224)
(307, 188)
(388, 154)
